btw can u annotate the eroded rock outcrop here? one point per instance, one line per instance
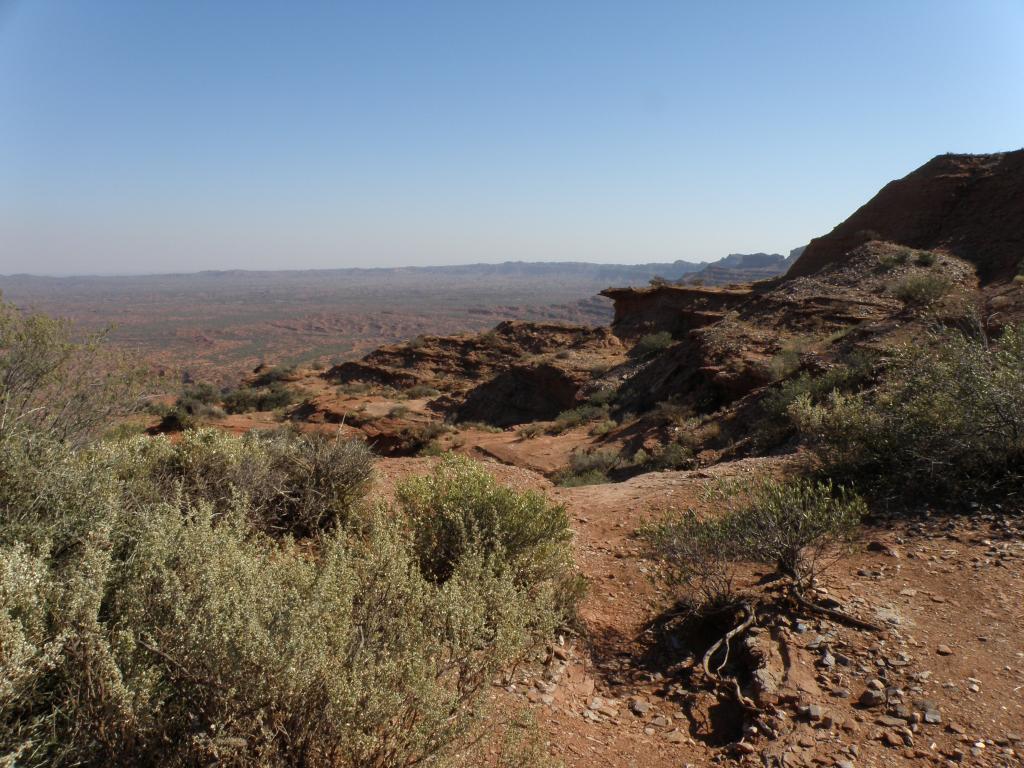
(971, 206)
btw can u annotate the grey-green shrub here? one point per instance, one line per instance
(460, 509)
(946, 423)
(169, 633)
(653, 343)
(788, 524)
(922, 290)
(292, 483)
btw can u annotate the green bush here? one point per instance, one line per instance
(140, 629)
(588, 467)
(889, 261)
(577, 417)
(291, 483)
(653, 343)
(460, 511)
(922, 290)
(274, 375)
(530, 431)
(946, 423)
(777, 424)
(420, 390)
(260, 398)
(791, 525)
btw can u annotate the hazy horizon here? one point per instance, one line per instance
(142, 139)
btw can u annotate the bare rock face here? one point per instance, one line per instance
(677, 309)
(522, 394)
(971, 206)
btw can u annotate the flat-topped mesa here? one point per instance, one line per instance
(971, 206)
(677, 309)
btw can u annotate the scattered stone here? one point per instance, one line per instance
(640, 707)
(932, 716)
(661, 721)
(944, 650)
(676, 736)
(815, 712)
(890, 722)
(872, 698)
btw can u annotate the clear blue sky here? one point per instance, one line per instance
(140, 136)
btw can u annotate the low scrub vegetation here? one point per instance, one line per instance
(946, 422)
(577, 417)
(922, 290)
(791, 525)
(258, 398)
(653, 343)
(238, 602)
(776, 424)
(588, 467)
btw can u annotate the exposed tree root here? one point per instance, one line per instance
(832, 613)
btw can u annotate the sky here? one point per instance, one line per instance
(176, 136)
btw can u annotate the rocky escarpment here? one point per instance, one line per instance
(458, 363)
(971, 206)
(677, 309)
(516, 373)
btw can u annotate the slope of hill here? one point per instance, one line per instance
(971, 206)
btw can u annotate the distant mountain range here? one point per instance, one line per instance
(735, 265)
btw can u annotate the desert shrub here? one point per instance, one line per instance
(577, 417)
(399, 412)
(53, 386)
(291, 483)
(673, 455)
(922, 290)
(784, 363)
(599, 370)
(421, 390)
(889, 261)
(925, 259)
(603, 396)
(947, 422)
(354, 388)
(653, 343)
(461, 514)
(176, 639)
(791, 525)
(530, 431)
(481, 426)
(260, 398)
(777, 424)
(673, 412)
(196, 401)
(274, 375)
(588, 467)
(168, 631)
(602, 428)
